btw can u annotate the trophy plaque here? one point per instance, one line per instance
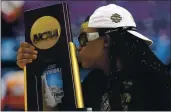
(48, 30)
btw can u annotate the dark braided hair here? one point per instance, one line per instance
(139, 62)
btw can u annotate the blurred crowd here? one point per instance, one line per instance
(152, 18)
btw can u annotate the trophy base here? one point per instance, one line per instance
(83, 109)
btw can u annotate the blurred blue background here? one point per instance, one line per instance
(152, 18)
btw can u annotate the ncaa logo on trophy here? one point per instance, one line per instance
(45, 32)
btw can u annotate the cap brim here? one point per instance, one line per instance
(148, 41)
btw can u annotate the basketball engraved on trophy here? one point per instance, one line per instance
(52, 88)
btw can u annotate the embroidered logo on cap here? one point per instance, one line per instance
(116, 18)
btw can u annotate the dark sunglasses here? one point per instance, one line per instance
(84, 38)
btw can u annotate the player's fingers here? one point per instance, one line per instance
(21, 63)
(25, 56)
(26, 45)
(27, 50)
(24, 61)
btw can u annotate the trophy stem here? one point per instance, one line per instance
(76, 77)
(25, 89)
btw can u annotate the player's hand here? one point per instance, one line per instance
(26, 54)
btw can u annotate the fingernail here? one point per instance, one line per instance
(34, 56)
(35, 51)
(30, 60)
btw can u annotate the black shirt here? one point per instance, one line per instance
(137, 91)
(94, 86)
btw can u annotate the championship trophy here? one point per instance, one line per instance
(48, 29)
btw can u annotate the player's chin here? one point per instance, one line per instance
(85, 64)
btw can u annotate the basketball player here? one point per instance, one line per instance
(126, 74)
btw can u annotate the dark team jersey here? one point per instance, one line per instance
(139, 91)
(136, 91)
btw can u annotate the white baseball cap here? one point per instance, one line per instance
(114, 16)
